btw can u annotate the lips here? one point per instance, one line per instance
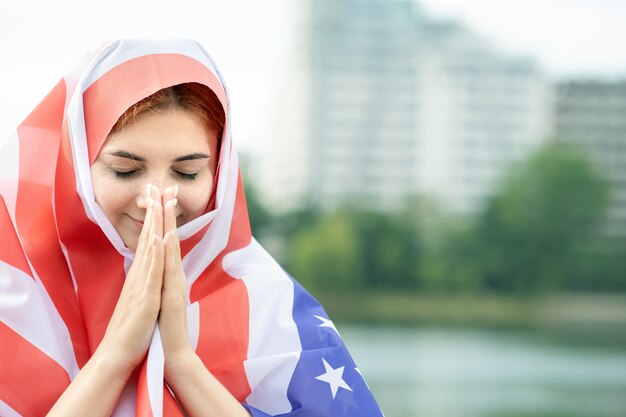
(138, 223)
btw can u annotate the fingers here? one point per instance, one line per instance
(157, 218)
(160, 220)
(173, 267)
(155, 252)
(154, 282)
(149, 254)
(170, 238)
(173, 271)
(169, 209)
(145, 234)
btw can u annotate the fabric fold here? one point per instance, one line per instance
(254, 327)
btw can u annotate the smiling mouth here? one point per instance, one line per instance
(138, 223)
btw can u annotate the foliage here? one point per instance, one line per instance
(541, 231)
(353, 250)
(325, 256)
(543, 217)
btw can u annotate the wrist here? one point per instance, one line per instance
(112, 363)
(180, 363)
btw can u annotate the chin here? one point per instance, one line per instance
(130, 243)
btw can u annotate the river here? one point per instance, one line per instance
(430, 372)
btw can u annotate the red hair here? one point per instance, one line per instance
(194, 97)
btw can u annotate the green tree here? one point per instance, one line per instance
(324, 255)
(355, 250)
(387, 248)
(540, 221)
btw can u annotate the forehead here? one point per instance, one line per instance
(164, 130)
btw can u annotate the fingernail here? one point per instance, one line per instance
(175, 202)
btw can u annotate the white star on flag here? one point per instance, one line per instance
(326, 323)
(334, 378)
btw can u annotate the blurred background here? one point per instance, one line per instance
(447, 177)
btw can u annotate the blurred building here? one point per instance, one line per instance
(382, 103)
(481, 111)
(590, 115)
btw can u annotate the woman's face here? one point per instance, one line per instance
(162, 148)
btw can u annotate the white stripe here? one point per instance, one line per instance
(6, 411)
(274, 343)
(27, 309)
(126, 405)
(123, 50)
(66, 255)
(9, 172)
(154, 374)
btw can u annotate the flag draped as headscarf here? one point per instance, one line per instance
(62, 264)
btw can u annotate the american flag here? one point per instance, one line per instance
(62, 264)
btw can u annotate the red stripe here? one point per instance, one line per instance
(30, 381)
(143, 408)
(224, 310)
(39, 137)
(223, 340)
(170, 407)
(98, 268)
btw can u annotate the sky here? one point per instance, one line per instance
(40, 41)
(569, 38)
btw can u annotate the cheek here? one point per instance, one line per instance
(194, 200)
(110, 195)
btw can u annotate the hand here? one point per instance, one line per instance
(130, 329)
(173, 314)
(197, 390)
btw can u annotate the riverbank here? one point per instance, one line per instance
(416, 371)
(598, 319)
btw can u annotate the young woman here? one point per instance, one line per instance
(130, 283)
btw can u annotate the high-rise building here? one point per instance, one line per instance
(481, 111)
(382, 103)
(590, 115)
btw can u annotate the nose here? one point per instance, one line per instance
(141, 196)
(161, 185)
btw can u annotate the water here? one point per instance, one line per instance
(473, 373)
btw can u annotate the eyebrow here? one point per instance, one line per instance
(127, 155)
(191, 156)
(132, 156)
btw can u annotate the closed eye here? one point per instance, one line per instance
(125, 174)
(187, 176)
(128, 174)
